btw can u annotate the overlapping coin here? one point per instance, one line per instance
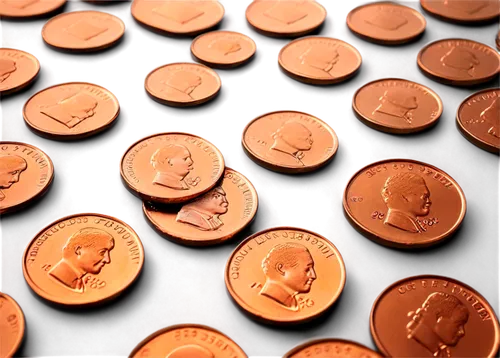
(463, 11)
(12, 326)
(24, 9)
(18, 69)
(331, 348)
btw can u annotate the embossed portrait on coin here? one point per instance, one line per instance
(460, 59)
(225, 46)
(84, 30)
(20, 4)
(491, 115)
(320, 58)
(87, 251)
(407, 198)
(181, 12)
(289, 270)
(469, 6)
(181, 84)
(191, 351)
(438, 324)
(7, 66)
(204, 213)
(390, 21)
(291, 140)
(72, 110)
(286, 12)
(172, 164)
(397, 104)
(11, 167)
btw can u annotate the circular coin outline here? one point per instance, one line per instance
(37, 14)
(455, 20)
(29, 81)
(313, 342)
(20, 338)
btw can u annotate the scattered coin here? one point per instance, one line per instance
(29, 8)
(463, 11)
(71, 111)
(285, 275)
(18, 69)
(83, 259)
(404, 203)
(11, 326)
(498, 40)
(459, 62)
(434, 316)
(331, 347)
(319, 60)
(397, 106)
(289, 142)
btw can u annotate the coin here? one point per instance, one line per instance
(71, 111)
(404, 203)
(289, 142)
(478, 119)
(188, 340)
(319, 60)
(434, 316)
(83, 259)
(18, 69)
(331, 347)
(29, 8)
(285, 275)
(396, 105)
(463, 11)
(11, 326)
(459, 62)
(289, 18)
(387, 23)
(25, 175)
(183, 84)
(83, 31)
(498, 40)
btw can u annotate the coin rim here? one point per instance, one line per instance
(30, 80)
(35, 15)
(20, 337)
(310, 343)
(438, 15)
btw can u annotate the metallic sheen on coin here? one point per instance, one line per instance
(24, 9)
(12, 326)
(434, 316)
(285, 275)
(18, 69)
(331, 348)
(404, 203)
(463, 11)
(83, 259)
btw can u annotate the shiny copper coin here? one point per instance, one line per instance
(285, 275)
(183, 84)
(171, 167)
(459, 62)
(478, 119)
(404, 203)
(83, 259)
(387, 23)
(319, 60)
(71, 111)
(12, 326)
(397, 106)
(331, 348)
(28, 8)
(497, 41)
(25, 175)
(434, 316)
(289, 142)
(463, 11)
(18, 69)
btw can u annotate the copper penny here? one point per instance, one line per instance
(212, 218)
(387, 23)
(223, 49)
(294, 276)
(319, 60)
(459, 62)
(18, 69)
(331, 348)
(188, 341)
(83, 259)
(498, 41)
(25, 175)
(71, 111)
(183, 84)
(434, 316)
(478, 119)
(289, 142)
(171, 167)
(404, 203)
(83, 31)
(285, 18)
(29, 8)
(397, 106)
(11, 326)
(463, 11)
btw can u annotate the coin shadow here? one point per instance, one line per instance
(45, 16)
(106, 2)
(245, 65)
(23, 89)
(202, 106)
(330, 85)
(173, 35)
(94, 52)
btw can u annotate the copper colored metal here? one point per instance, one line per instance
(12, 326)
(29, 8)
(463, 11)
(331, 348)
(18, 69)
(497, 41)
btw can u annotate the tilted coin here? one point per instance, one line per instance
(434, 316)
(12, 326)
(331, 348)
(18, 69)
(463, 11)
(285, 275)
(83, 259)
(319, 60)
(171, 167)
(498, 40)
(459, 62)
(396, 105)
(29, 8)
(71, 111)
(404, 203)
(289, 142)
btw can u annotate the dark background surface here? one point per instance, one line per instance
(184, 284)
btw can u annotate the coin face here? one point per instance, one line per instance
(285, 275)
(404, 203)
(183, 84)
(83, 31)
(319, 60)
(28, 8)
(18, 69)
(459, 62)
(331, 348)
(83, 259)
(71, 111)
(397, 106)
(463, 11)
(387, 23)
(289, 142)
(171, 167)
(11, 326)
(434, 316)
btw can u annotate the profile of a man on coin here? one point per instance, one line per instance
(460, 59)
(291, 140)
(11, 167)
(172, 164)
(320, 59)
(72, 110)
(7, 66)
(491, 115)
(181, 85)
(397, 104)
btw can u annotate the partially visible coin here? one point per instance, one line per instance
(463, 11)
(18, 69)
(331, 348)
(497, 41)
(397, 106)
(459, 62)
(83, 259)
(71, 111)
(285, 275)
(434, 316)
(12, 326)
(29, 8)
(319, 60)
